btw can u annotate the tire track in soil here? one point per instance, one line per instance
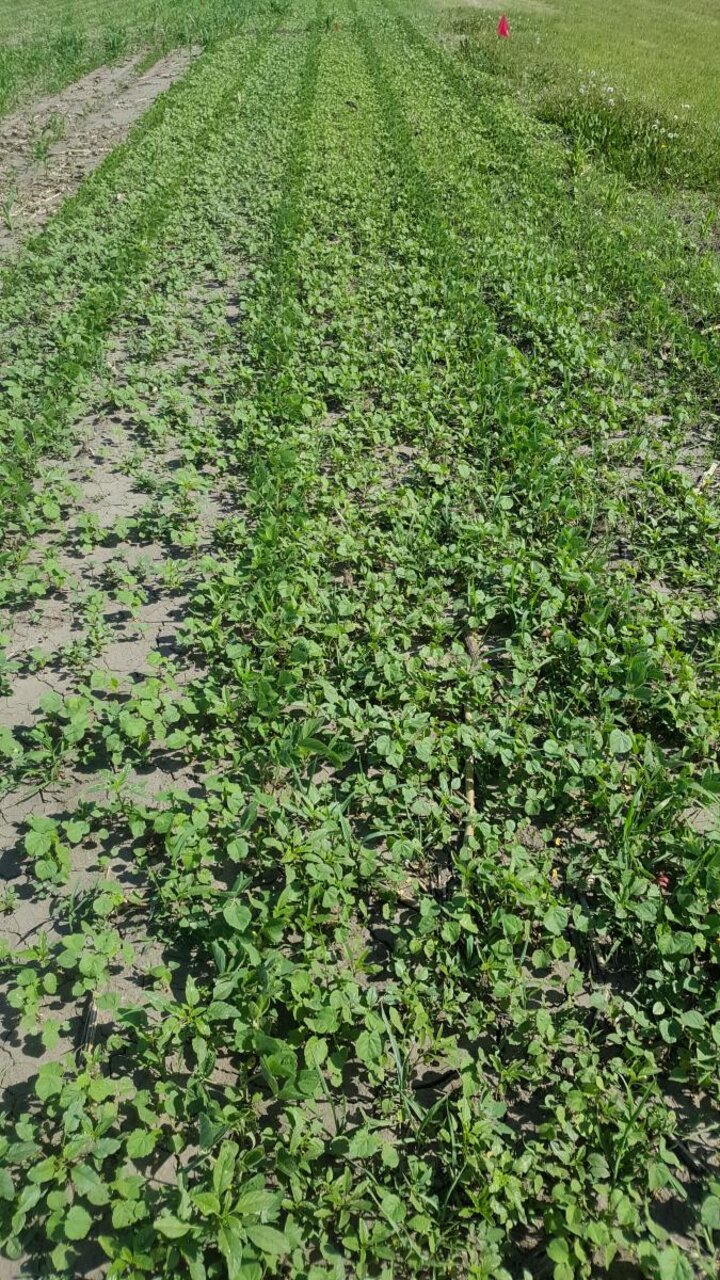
(50, 147)
(48, 645)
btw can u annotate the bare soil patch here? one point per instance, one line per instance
(102, 547)
(49, 147)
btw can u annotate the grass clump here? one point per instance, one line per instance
(610, 103)
(637, 139)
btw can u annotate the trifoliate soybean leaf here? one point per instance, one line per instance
(77, 1223)
(673, 1265)
(51, 703)
(620, 743)
(556, 920)
(389, 1156)
(89, 1185)
(363, 1145)
(557, 1250)
(237, 916)
(710, 1213)
(140, 1143)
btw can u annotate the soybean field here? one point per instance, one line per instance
(359, 654)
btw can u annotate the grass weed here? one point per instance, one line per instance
(627, 82)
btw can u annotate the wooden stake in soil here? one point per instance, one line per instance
(88, 1027)
(473, 649)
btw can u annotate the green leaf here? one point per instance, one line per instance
(620, 743)
(126, 1212)
(51, 703)
(393, 1208)
(221, 1011)
(207, 1202)
(237, 916)
(556, 920)
(49, 1080)
(38, 843)
(692, 1019)
(77, 1223)
(557, 1250)
(256, 1202)
(675, 943)
(9, 746)
(171, 1227)
(326, 1021)
(710, 1213)
(368, 1047)
(140, 1143)
(673, 1266)
(76, 831)
(231, 1243)
(209, 1132)
(363, 1145)
(316, 1051)
(390, 1157)
(50, 1033)
(89, 1185)
(224, 1170)
(268, 1239)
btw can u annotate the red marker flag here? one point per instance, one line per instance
(503, 28)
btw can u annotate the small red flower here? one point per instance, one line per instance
(503, 28)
